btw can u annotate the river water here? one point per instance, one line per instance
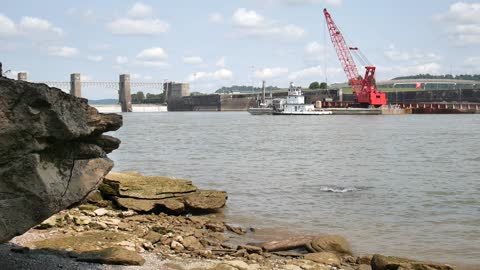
(401, 185)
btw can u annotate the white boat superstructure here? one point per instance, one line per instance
(295, 104)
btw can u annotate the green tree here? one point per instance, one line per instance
(140, 96)
(314, 85)
(323, 85)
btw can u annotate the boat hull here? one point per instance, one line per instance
(304, 113)
(260, 111)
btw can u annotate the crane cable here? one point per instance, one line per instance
(357, 52)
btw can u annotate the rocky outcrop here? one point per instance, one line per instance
(380, 262)
(52, 153)
(159, 194)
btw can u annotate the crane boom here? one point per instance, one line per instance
(343, 51)
(364, 89)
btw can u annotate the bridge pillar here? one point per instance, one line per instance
(75, 85)
(124, 95)
(22, 76)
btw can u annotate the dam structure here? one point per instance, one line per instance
(433, 94)
(124, 87)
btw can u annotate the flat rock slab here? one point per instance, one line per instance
(134, 185)
(140, 205)
(82, 242)
(113, 255)
(159, 194)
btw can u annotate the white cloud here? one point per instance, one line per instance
(432, 68)
(463, 23)
(152, 57)
(86, 77)
(250, 23)
(95, 58)
(139, 10)
(314, 48)
(99, 47)
(27, 25)
(315, 72)
(416, 55)
(268, 73)
(403, 70)
(192, 60)
(136, 76)
(220, 62)
(121, 60)
(221, 74)
(138, 22)
(216, 18)
(127, 26)
(154, 53)
(151, 63)
(34, 24)
(472, 64)
(473, 61)
(247, 18)
(7, 26)
(62, 51)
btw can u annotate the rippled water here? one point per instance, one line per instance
(403, 185)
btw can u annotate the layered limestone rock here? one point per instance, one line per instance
(52, 153)
(162, 194)
(380, 262)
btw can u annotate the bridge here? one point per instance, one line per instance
(123, 86)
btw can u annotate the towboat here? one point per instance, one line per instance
(295, 104)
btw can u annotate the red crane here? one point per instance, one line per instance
(364, 89)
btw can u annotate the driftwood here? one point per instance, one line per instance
(287, 244)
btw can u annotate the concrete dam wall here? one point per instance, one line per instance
(212, 103)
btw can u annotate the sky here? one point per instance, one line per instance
(214, 43)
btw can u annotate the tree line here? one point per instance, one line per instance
(244, 89)
(474, 77)
(140, 97)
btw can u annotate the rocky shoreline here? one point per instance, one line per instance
(170, 224)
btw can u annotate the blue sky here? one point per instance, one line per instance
(212, 43)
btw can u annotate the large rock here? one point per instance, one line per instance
(134, 185)
(159, 194)
(52, 153)
(206, 200)
(380, 262)
(330, 243)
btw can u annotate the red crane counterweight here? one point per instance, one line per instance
(364, 89)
